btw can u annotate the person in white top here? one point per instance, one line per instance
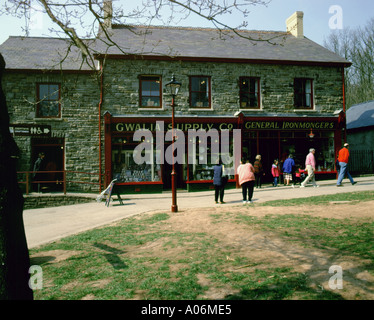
(310, 166)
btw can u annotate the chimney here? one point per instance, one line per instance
(108, 13)
(295, 24)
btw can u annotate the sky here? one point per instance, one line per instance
(321, 17)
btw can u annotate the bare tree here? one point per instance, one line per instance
(80, 20)
(357, 46)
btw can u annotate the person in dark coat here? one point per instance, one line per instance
(38, 166)
(259, 171)
(219, 182)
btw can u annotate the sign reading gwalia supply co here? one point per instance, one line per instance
(247, 125)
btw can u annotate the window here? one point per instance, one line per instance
(200, 92)
(303, 93)
(249, 92)
(48, 105)
(150, 92)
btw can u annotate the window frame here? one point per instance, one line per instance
(39, 99)
(303, 94)
(191, 92)
(242, 92)
(142, 79)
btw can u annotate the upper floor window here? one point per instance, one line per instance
(48, 100)
(249, 92)
(150, 92)
(200, 92)
(303, 93)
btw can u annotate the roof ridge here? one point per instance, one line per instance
(119, 26)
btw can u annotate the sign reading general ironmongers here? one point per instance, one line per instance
(30, 130)
(248, 125)
(290, 125)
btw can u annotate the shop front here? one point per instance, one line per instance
(276, 138)
(138, 149)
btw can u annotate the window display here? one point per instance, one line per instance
(126, 169)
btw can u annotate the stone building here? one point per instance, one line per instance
(281, 91)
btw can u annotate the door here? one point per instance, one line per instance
(53, 162)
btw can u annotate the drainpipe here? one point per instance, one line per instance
(100, 105)
(344, 107)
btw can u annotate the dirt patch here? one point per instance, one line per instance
(53, 256)
(266, 249)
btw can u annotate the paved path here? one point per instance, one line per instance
(50, 224)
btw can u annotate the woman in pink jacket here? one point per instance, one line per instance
(246, 174)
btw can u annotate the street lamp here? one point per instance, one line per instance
(173, 87)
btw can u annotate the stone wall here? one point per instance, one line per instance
(80, 96)
(78, 125)
(276, 81)
(52, 200)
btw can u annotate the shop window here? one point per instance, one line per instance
(249, 93)
(303, 93)
(200, 92)
(126, 166)
(150, 92)
(203, 155)
(48, 100)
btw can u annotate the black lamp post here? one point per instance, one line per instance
(173, 87)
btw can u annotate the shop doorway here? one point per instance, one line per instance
(53, 161)
(269, 151)
(166, 176)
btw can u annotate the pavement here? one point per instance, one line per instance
(46, 225)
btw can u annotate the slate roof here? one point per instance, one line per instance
(41, 53)
(210, 43)
(360, 115)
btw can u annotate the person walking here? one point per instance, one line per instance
(246, 177)
(310, 167)
(288, 169)
(38, 166)
(218, 182)
(275, 172)
(343, 158)
(259, 171)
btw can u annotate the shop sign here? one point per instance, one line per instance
(249, 125)
(30, 130)
(289, 125)
(132, 127)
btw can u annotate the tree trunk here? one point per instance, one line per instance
(14, 255)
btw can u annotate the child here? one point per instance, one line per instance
(299, 174)
(275, 172)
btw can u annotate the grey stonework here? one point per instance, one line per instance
(78, 125)
(80, 97)
(122, 96)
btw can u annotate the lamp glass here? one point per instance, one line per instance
(173, 86)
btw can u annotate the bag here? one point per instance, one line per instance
(224, 180)
(224, 177)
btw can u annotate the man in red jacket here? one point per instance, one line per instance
(343, 158)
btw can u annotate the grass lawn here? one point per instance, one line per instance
(147, 257)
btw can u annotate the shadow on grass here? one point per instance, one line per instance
(285, 289)
(112, 255)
